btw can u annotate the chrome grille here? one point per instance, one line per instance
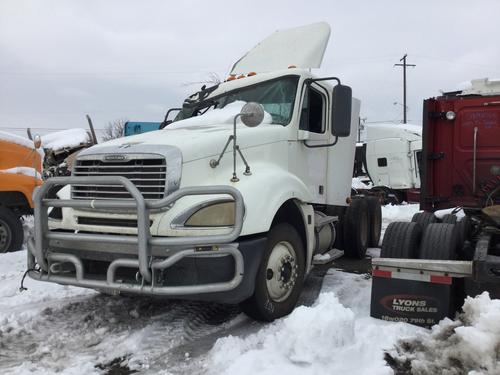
(148, 174)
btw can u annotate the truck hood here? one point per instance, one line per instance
(196, 141)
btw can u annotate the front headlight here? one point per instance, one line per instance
(217, 214)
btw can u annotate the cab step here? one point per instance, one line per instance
(327, 257)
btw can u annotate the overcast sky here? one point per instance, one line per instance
(60, 60)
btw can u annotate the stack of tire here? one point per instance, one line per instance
(359, 226)
(426, 237)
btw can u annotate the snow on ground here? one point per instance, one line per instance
(403, 212)
(334, 336)
(65, 138)
(58, 329)
(469, 344)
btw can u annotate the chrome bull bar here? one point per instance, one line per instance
(39, 252)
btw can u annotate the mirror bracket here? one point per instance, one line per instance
(252, 114)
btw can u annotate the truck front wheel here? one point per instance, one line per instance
(11, 231)
(280, 276)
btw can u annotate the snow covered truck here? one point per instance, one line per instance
(430, 264)
(20, 174)
(230, 202)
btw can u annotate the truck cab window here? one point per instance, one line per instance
(277, 96)
(382, 162)
(311, 118)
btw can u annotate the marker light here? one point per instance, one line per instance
(241, 76)
(450, 115)
(292, 66)
(251, 74)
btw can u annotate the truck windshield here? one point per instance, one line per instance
(276, 96)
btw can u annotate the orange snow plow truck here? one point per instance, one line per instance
(20, 173)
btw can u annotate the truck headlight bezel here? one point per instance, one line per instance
(218, 213)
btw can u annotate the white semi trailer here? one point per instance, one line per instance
(229, 203)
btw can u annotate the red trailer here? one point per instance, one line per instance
(429, 265)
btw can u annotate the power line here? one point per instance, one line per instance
(404, 65)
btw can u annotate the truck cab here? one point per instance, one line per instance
(20, 174)
(452, 248)
(228, 203)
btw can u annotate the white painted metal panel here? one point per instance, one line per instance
(302, 46)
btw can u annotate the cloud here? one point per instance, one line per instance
(132, 58)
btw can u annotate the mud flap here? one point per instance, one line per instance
(416, 302)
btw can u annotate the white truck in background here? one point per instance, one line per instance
(391, 157)
(229, 203)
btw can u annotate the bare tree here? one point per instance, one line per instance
(114, 129)
(211, 80)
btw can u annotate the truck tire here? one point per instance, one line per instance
(401, 240)
(449, 219)
(11, 231)
(356, 229)
(424, 218)
(375, 221)
(439, 242)
(339, 225)
(280, 276)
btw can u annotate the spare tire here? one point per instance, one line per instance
(374, 220)
(356, 230)
(424, 218)
(439, 242)
(401, 240)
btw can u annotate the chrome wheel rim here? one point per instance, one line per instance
(5, 236)
(281, 271)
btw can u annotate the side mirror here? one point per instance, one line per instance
(252, 114)
(341, 112)
(37, 141)
(166, 121)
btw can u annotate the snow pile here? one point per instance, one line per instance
(470, 344)
(32, 172)
(459, 213)
(326, 338)
(217, 116)
(65, 139)
(294, 342)
(13, 138)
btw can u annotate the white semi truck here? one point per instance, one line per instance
(391, 157)
(229, 203)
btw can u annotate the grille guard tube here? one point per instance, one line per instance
(39, 247)
(109, 283)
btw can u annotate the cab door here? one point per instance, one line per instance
(314, 135)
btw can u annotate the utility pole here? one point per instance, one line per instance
(404, 65)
